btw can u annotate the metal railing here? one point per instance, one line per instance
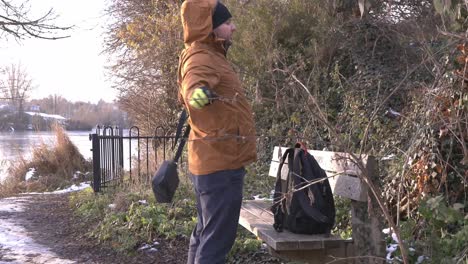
(131, 157)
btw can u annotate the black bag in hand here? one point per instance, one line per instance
(166, 179)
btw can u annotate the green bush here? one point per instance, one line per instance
(445, 230)
(89, 206)
(440, 235)
(122, 218)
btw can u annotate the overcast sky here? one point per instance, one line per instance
(69, 67)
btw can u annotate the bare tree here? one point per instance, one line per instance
(15, 21)
(15, 86)
(143, 41)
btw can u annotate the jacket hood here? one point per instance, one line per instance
(197, 20)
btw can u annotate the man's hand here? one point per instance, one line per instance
(201, 97)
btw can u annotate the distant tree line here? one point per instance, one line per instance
(82, 115)
(79, 115)
(15, 90)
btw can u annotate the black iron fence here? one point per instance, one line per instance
(124, 154)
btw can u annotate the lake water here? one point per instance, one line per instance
(14, 145)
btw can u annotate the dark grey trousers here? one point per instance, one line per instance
(219, 198)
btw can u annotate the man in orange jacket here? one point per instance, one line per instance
(222, 139)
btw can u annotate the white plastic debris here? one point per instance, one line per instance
(78, 175)
(389, 157)
(144, 247)
(150, 248)
(143, 202)
(30, 174)
(390, 249)
(392, 113)
(111, 206)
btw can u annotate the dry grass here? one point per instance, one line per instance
(11, 185)
(54, 165)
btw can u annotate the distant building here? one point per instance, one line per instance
(39, 120)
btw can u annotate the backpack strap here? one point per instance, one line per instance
(304, 201)
(278, 196)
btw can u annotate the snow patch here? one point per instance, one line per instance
(73, 188)
(15, 245)
(258, 197)
(13, 204)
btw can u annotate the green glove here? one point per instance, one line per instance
(201, 97)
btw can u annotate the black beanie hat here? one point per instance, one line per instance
(220, 15)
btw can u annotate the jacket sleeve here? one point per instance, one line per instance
(197, 72)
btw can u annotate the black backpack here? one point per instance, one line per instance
(308, 209)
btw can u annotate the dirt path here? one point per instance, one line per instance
(40, 228)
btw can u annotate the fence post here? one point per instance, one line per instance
(121, 153)
(96, 162)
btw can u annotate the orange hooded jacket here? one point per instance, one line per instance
(223, 133)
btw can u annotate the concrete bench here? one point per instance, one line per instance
(343, 177)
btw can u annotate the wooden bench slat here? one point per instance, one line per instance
(256, 217)
(330, 161)
(260, 209)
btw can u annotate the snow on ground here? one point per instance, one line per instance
(15, 245)
(72, 188)
(260, 198)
